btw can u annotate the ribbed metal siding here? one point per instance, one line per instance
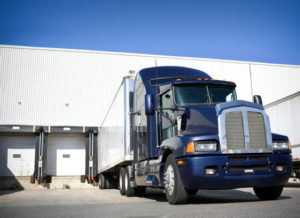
(257, 130)
(235, 130)
(44, 80)
(44, 86)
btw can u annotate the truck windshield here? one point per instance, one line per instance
(193, 94)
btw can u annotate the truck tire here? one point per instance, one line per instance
(121, 180)
(101, 181)
(129, 191)
(268, 193)
(175, 191)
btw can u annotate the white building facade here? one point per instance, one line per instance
(74, 88)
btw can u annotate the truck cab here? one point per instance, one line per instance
(191, 132)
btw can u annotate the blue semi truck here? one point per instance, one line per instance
(178, 129)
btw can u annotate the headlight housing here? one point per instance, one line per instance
(201, 146)
(281, 145)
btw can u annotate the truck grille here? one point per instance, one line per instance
(257, 130)
(235, 132)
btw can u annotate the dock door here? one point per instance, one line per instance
(66, 154)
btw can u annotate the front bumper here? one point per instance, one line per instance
(235, 171)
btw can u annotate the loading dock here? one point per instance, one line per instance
(42, 152)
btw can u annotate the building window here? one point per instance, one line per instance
(16, 155)
(66, 155)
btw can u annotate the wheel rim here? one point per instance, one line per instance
(126, 181)
(169, 180)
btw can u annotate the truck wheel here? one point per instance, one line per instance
(101, 181)
(129, 191)
(175, 191)
(121, 181)
(268, 193)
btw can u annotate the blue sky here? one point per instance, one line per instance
(247, 30)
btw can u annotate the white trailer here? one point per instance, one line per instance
(285, 119)
(115, 134)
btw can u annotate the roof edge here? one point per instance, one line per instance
(147, 55)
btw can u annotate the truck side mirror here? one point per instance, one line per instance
(257, 99)
(149, 105)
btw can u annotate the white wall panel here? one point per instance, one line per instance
(37, 83)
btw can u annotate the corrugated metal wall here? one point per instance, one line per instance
(42, 86)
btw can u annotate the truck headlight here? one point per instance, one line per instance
(281, 145)
(201, 146)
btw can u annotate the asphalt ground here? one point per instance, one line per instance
(109, 203)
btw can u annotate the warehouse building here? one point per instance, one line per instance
(54, 100)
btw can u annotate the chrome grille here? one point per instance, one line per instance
(235, 130)
(257, 130)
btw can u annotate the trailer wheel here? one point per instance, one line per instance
(175, 191)
(129, 191)
(268, 193)
(121, 181)
(101, 181)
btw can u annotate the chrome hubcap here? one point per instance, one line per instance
(169, 180)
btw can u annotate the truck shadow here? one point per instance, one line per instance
(211, 196)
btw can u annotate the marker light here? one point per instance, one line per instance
(199, 78)
(180, 162)
(190, 147)
(178, 79)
